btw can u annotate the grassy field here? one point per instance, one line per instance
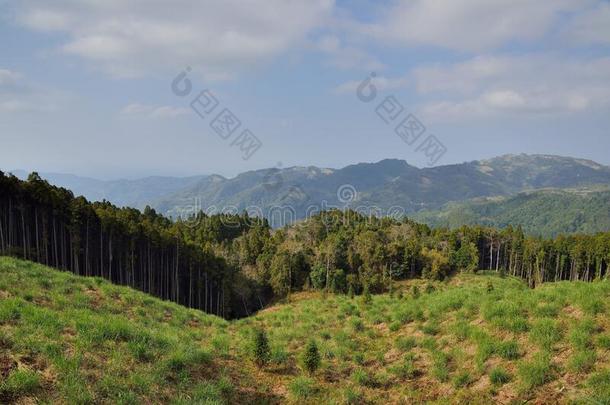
(472, 339)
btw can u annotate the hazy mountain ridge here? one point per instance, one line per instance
(135, 193)
(389, 183)
(446, 195)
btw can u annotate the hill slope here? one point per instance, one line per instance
(545, 213)
(68, 339)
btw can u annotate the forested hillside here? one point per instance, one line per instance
(545, 213)
(232, 265)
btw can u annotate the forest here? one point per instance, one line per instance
(234, 265)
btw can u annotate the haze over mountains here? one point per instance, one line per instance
(445, 195)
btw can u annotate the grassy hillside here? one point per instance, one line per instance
(475, 338)
(546, 212)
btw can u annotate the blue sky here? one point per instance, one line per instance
(85, 86)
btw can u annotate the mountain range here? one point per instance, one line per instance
(510, 189)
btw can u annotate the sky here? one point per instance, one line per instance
(131, 88)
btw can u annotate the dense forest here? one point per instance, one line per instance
(547, 213)
(232, 265)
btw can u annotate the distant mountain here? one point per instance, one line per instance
(495, 192)
(545, 213)
(132, 193)
(385, 184)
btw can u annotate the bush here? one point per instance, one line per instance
(19, 383)
(461, 380)
(302, 388)
(536, 372)
(604, 342)
(499, 376)
(415, 292)
(353, 397)
(366, 296)
(361, 377)
(311, 357)
(545, 333)
(406, 368)
(405, 343)
(261, 348)
(583, 361)
(508, 350)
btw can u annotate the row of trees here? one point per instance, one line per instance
(146, 251)
(232, 265)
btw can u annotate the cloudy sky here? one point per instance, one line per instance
(86, 85)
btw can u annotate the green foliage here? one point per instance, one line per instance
(535, 372)
(310, 359)
(545, 333)
(261, 348)
(302, 388)
(466, 258)
(499, 376)
(19, 383)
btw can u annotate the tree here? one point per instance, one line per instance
(466, 258)
(311, 357)
(261, 348)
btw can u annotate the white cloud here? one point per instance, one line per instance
(468, 25)
(135, 37)
(508, 84)
(150, 111)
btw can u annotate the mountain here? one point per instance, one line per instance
(132, 193)
(545, 213)
(387, 186)
(446, 195)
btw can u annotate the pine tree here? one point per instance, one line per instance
(311, 357)
(261, 348)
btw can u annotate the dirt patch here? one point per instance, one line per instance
(7, 364)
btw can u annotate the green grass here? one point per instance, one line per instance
(68, 339)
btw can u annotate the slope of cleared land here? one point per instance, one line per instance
(472, 339)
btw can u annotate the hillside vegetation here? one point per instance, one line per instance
(472, 338)
(546, 213)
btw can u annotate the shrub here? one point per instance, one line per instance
(311, 357)
(536, 372)
(261, 348)
(604, 341)
(582, 361)
(461, 380)
(508, 350)
(357, 324)
(406, 368)
(353, 397)
(599, 383)
(367, 298)
(361, 377)
(405, 343)
(440, 366)
(415, 292)
(499, 376)
(545, 333)
(278, 356)
(19, 383)
(302, 388)
(430, 328)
